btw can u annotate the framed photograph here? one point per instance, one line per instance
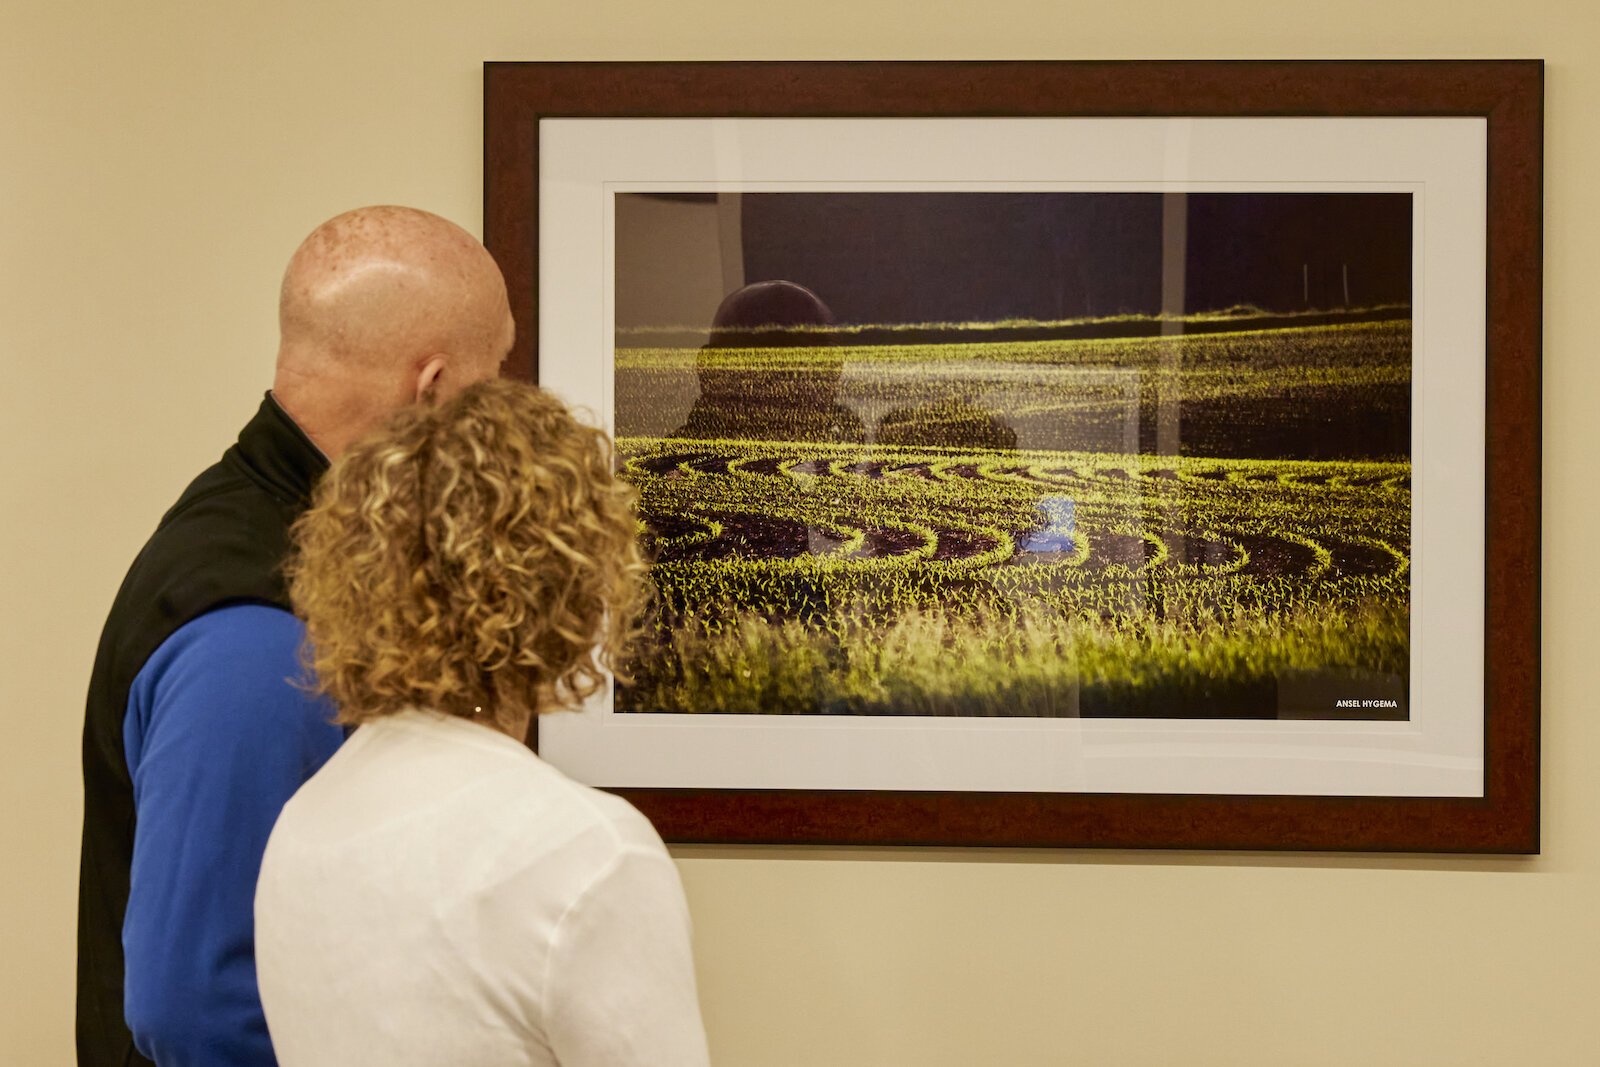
(1052, 454)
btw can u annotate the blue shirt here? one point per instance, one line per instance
(217, 738)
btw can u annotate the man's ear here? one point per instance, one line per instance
(428, 377)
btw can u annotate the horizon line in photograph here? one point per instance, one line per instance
(900, 266)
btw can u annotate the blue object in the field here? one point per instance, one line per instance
(1056, 535)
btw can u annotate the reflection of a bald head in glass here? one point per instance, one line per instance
(775, 314)
(767, 372)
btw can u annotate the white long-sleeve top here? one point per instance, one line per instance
(437, 894)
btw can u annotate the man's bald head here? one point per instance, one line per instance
(379, 307)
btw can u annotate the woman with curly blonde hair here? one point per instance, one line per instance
(437, 894)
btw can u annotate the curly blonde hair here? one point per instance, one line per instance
(478, 553)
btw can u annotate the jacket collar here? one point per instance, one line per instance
(277, 454)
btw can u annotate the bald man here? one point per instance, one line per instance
(194, 736)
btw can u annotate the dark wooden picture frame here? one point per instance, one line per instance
(1507, 94)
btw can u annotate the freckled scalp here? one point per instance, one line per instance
(390, 283)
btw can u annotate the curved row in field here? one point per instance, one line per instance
(822, 532)
(758, 539)
(782, 509)
(675, 462)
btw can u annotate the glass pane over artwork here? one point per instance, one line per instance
(1040, 454)
(1034, 455)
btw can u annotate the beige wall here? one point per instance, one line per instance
(159, 161)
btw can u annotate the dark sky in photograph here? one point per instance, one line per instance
(927, 257)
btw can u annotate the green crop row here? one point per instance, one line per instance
(1033, 663)
(1056, 394)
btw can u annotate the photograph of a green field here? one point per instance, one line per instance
(1210, 522)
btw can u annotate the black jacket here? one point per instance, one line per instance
(223, 542)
